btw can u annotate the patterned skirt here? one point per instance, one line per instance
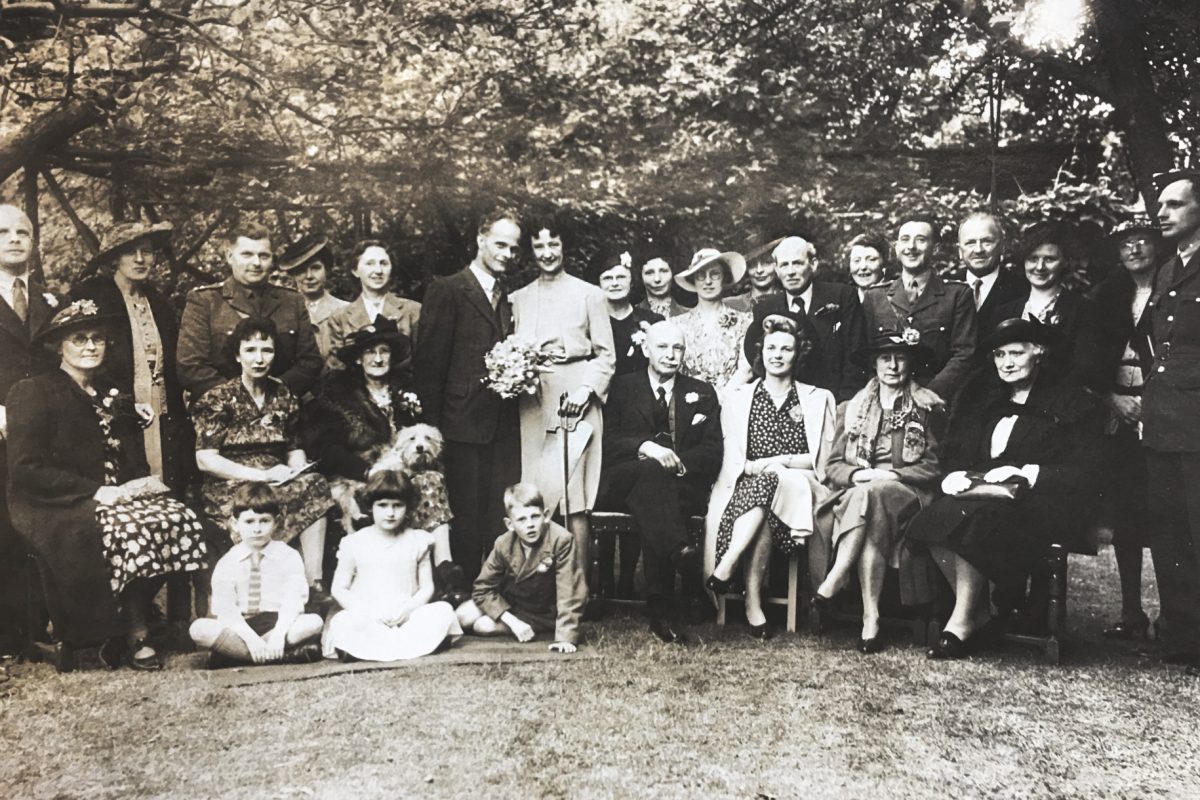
(150, 536)
(750, 492)
(303, 500)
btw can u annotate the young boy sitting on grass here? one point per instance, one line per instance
(531, 581)
(258, 593)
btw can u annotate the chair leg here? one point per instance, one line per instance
(720, 609)
(793, 592)
(1057, 607)
(593, 572)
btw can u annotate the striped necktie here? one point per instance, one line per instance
(254, 587)
(20, 299)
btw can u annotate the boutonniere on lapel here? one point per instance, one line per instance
(826, 310)
(797, 414)
(545, 565)
(50, 299)
(638, 337)
(691, 398)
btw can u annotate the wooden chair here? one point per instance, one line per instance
(1051, 643)
(791, 600)
(612, 523)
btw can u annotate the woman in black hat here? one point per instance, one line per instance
(359, 410)
(1039, 437)
(247, 429)
(80, 492)
(884, 469)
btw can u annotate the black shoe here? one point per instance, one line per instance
(718, 586)
(822, 603)
(221, 661)
(761, 632)
(1126, 631)
(870, 646)
(304, 654)
(112, 653)
(663, 630)
(948, 647)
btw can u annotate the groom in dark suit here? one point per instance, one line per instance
(828, 313)
(463, 317)
(25, 309)
(662, 451)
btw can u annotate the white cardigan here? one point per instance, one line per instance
(799, 489)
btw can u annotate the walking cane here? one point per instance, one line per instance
(566, 424)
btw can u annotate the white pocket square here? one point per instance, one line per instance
(696, 420)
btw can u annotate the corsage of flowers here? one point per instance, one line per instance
(796, 413)
(911, 336)
(274, 419)
(639, 335)
(691, 397)
(110, 398)
(727, 319)
(410, 403)
(513, 366)
(828, 308)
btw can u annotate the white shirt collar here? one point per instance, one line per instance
(985, 283)
(806, 296)
(243, 552)
(486, 280)
(1188, 250)
(668, 385)
(7, 279)
(374, 307)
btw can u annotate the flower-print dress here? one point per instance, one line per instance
(713, 345)
(229, 421)
(772, 432)
(146, 536)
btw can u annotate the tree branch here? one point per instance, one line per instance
(89, 237)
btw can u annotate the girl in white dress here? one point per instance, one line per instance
(384, 581)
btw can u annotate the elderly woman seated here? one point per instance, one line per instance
(247, 429)
(884, 469)
(81, 493)
(778, 433)
(1023, 453)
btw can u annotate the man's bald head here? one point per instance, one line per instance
(16, 239)
(664, 349)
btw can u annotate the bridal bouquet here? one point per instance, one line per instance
(513, 366)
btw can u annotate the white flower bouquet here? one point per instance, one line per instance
(513, 366)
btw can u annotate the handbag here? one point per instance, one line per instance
(1012, 489)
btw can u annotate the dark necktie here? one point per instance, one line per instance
(798, 306)
(914, 292)
(662, 413)
(977, 290)
(20, 300)
(495, 297)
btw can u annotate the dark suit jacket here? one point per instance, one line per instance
(836, 328)
(1113, 301)
(1075, 356)
(179, 448)
(458, 328)
(1010, 285)
(944, 315)
(209, 318)
(1171, 399)
(629, 421)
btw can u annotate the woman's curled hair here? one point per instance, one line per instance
(246, 329)
(778, 323)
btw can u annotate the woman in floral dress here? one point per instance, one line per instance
(104, 530)
(713, 331)
(247, 429)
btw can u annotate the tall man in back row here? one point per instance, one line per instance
(928, 310)
(464, 316)
(212, 312)
(1171, 420)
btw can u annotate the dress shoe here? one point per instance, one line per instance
(663, 630)
(870, 646)
(304, 654)
(1129, 630)
(718, 586)
(822, 603)
(112, 653)
(218, 660)
(761, 632)
(948, 647)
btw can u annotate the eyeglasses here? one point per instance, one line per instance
(83, 339)
(1134, 243)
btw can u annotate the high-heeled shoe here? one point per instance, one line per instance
(1129, 630)
(949, 647)
(870, 646)
(761, 632)
(718, 586)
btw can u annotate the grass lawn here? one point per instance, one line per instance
(798, 716)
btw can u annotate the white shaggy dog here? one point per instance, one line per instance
(417, 452)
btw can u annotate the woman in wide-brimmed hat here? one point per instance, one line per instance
(883, 467)
(140, 359)
(760, 274)
(103, 528)
(358, 411)
(1025, 430)
(713, 331)
(308, 260)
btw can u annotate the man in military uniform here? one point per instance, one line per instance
(937, 313)
(212, 312)
(1171, 420)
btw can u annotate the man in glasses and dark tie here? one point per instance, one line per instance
(1171, 419)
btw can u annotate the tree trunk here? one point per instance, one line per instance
(45, 134)
(1139, 112)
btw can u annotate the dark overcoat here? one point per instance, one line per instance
(1075, 356)
(1171, 399)
(344, 430)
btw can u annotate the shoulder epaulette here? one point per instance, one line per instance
(209, 286)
